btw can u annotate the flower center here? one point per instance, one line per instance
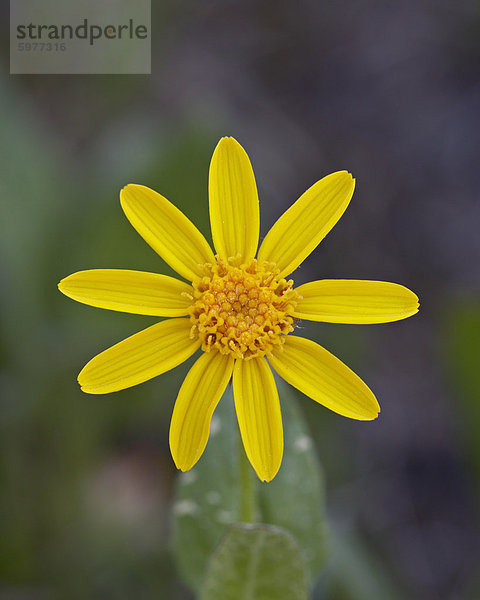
(242, 310)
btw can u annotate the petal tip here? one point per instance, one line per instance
(81, 379)
(85, 389)
(182, 465)
(348, 178)
(91, 390)
(127, 190)
(344, 173)
(375, 412)
(228, 141)
(268, 475)
(415, 303)
(267, 472)
(365, 415)
(221, 142)
(186, 467)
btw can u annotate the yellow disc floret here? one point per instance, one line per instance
(242, 309)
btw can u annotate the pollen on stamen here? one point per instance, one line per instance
(242, 309)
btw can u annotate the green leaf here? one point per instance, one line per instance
(208, 496)
(295, 499)
(255, 562)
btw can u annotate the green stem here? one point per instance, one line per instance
(247, 490)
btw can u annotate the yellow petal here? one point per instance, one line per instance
(140, 357)
(129, 291)
(168, 231)
(321, 376)
(234, 212)
(198, 397)
(259, 416)
(352, 301)
(304, 225)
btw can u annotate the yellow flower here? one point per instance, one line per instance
(238, 308)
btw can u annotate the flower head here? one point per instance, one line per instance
(239, 307)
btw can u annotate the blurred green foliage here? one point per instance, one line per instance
(86, 480)
(462, 358)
